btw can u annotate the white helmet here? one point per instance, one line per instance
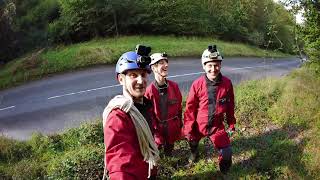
(211, 54)
(157, 57)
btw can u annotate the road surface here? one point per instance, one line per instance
(63, 101)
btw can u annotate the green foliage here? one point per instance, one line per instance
(300, 100)
(83, 20)
(253, 100)
(24, 26)
(37, 23)
(294, 107)
(7, 13)
(268, 155)
(77, 153)
(231, 20)
(183, 17)
(27, 169)
(279, 34)
(33, 17)
(228, 19)
(86, 134)
(107, 51)
(273, 145)
(85, 162)
(307, 33)
(12, 151)
(311, 29)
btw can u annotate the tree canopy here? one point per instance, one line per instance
(29, 24)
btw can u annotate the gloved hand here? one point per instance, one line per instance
(231, 130)
(230, 133)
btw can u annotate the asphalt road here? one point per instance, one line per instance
(63, 101)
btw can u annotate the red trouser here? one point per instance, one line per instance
(221, 141)
(219, 138)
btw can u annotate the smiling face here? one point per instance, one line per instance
(161, 68)
(134, 82)
(212, 69)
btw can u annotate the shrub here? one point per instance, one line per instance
(46, 144)
(27, 169)
(88, 133)
(13, 150)
(85, 162)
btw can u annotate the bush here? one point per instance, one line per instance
(13, 150)
(85, 162)
(88, 133)
(28, 169)
(46, 144)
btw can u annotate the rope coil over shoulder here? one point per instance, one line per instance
(147, 144)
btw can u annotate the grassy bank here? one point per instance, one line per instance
(107, 51)
(277, 138)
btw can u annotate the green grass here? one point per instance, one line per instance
(278, 137)
(59, 59)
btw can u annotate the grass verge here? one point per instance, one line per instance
(277, 138)
(45, 62)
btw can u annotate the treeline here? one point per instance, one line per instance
(30, 24)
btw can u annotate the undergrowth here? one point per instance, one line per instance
(278, 125)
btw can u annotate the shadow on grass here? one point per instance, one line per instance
(273, 154)
(270, 155)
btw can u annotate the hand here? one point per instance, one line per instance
(230, 132)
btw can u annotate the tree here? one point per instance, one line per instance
(7, 40)
(181, 17)
(24, 25)
(310, 29)
(82, 20)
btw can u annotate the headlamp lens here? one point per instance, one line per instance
(213, 55)
(143, 61)
(164, 54)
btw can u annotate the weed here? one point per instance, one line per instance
(85, 162)
(12, 150)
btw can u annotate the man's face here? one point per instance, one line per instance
(212, 69)
(135, 81)
(161, 68)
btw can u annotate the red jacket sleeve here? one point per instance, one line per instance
(123, 156)
(190, 114)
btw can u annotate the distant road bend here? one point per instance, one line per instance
(64, 101)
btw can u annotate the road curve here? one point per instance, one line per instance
(63, 101)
